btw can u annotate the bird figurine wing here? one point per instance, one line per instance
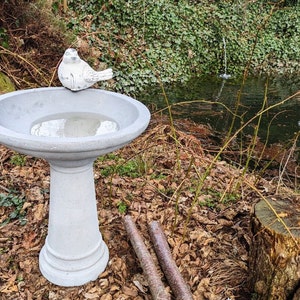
(76, 74)
(91, 75)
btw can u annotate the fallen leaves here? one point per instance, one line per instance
(210, 247)
(10, 287)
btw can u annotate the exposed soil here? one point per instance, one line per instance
(154, 178)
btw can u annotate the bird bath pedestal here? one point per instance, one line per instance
(74, 252)
(70, 130)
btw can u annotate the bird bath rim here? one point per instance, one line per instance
(25, 142)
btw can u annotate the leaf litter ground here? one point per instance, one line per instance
(154, 178)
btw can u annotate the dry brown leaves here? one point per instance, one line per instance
(209, 235)
(35, 43)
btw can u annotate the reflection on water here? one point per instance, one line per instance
(213, 101)
(73, 125)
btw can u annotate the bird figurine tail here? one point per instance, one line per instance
(94, 76)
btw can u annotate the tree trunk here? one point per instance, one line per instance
(275, 251)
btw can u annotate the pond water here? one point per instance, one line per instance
(213, 100)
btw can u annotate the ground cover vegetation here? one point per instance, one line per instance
(174, 40)
(145, 42)
(200, 185)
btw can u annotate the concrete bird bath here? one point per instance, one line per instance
(70, 130)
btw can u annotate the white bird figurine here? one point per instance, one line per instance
(76, 74)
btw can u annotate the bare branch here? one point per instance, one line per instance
(178, 285)
(156, 286)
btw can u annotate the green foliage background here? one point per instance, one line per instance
(144, 40)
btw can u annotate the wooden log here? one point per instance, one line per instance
(156, 286)
(274, 261)
(178, 285)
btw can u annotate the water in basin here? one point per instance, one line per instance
(73, 125)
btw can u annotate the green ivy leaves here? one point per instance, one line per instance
(175, 40)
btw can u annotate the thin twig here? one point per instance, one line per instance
(178, 285)
(291, 151)
(4, 188)
(156, 286)
(20, 57)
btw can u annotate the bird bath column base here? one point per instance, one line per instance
(74, 252)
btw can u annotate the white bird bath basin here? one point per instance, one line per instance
(70, 130)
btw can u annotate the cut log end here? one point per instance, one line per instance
(275, 251)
